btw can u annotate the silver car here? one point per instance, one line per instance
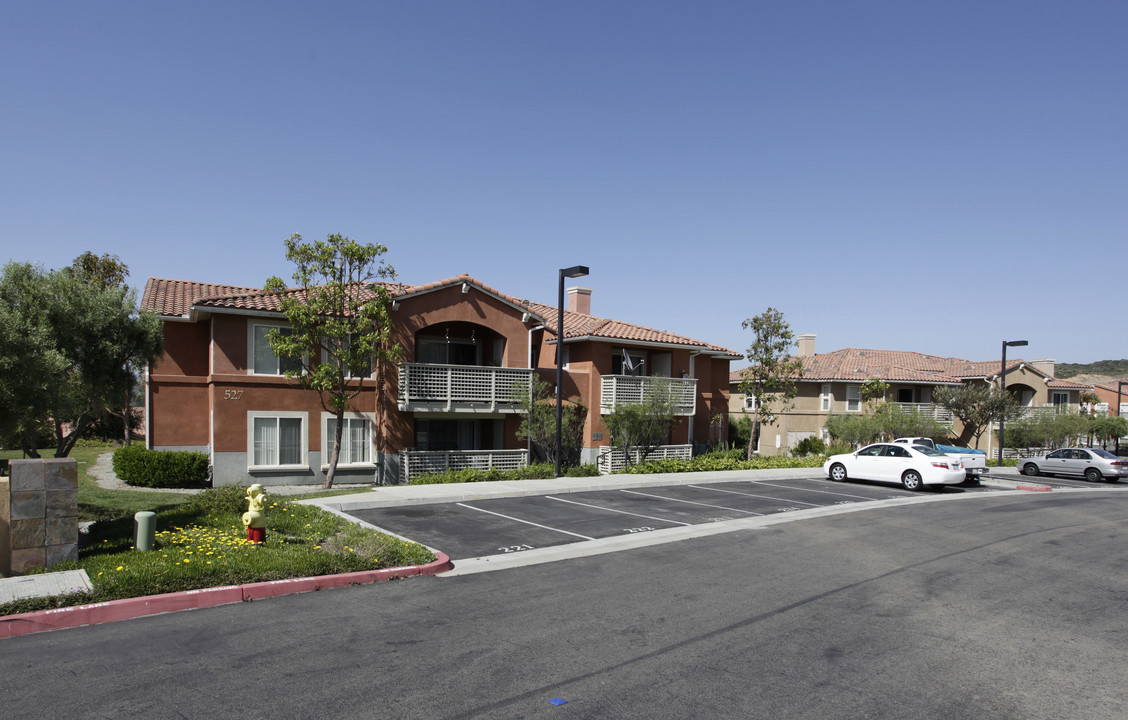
(1093, 464)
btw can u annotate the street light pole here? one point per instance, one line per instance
(1003, 387)
(1119, 386)
(573, 272)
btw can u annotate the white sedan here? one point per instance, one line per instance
(912, 466)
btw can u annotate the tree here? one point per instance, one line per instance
(339, 322)
(773, 375)
(645, 425)
(69, 343)
(538, 424)
(853, 428)
(1107, 429)
(977, 406)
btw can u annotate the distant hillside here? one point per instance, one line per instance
(1111, 368)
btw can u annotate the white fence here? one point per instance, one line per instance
(461, 388)
(939, 413)
(613, 459)
(414, 463)
(617, 390)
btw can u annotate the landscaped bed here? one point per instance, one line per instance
(202, 543)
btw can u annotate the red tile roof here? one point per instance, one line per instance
(178, 297)
(859, 365)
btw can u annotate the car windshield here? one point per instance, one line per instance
(1103, 453)
(925, 450)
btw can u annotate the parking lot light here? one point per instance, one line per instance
(573, 272)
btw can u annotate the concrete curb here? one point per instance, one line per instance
(1003, 484)
(128, 608)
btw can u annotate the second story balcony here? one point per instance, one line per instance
(939, 413)
(619, 390)
(425, 387)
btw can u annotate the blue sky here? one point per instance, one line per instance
(936, 177)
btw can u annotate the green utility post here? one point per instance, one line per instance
(146, 527)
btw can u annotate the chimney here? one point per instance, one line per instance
(806, 343)
(1045, 365)
(579, 300)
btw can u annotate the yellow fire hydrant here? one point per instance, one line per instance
(255, 517)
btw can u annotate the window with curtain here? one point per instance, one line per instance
(264, 361)
(276, 441)
(356, 441)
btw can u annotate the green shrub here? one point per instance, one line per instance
(138, 466)
(222, 500)
(810, 445)
(715, 462)
(536, 471)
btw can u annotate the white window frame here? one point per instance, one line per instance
(1059, 398)
(327, 439)
(251, 326)
(348, 373)
(254, 415)
(853, 398)
(826, 397)
(750, 403)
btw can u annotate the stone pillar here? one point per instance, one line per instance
(42, 522)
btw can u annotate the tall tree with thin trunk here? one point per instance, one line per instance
(773, 376)
(339, 322)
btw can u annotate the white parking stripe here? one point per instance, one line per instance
(691, 502)
(623, 512)
(527, 522)
(766, 497)
(825, 492)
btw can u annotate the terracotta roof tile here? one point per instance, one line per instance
(177, 297)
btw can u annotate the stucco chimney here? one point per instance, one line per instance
(1045, 365)
(806, 343)
(579, 300)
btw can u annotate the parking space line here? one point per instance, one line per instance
(825, 492)
(624, 512)
(766, 497)
(527, 522)
(690, 502)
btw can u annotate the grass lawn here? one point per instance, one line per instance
(201, 543)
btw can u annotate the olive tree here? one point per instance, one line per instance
(538, 424)
(645, 425)
(339, 322)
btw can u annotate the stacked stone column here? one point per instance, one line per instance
(38, 514)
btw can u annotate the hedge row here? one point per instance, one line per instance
(713, 462)
(138, 466)
(538, 471)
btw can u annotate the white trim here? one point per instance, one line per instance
(856, 392)
(327, 440)
(253, 415)
(251, 325)
(826, 397)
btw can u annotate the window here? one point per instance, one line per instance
(1059, 399)
(263, 359)
(826, 397)
(277, 440)
(356, 440)
(750, 403)
(349, 373)
(853, 398)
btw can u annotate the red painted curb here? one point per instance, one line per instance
(1035, 488)
(114, 610)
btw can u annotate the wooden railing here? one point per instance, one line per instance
(618, 390)
(414, 463)
(937, 412)
(462, 388)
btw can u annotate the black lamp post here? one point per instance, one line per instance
(1119, 386)
(572, 272)
(1003, 386)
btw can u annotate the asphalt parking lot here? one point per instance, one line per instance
(504, 526)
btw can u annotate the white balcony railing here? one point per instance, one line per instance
(462, 388)
(939, 413)
(618, 390)
(414, 463)
(1049, 409)
(613, 459)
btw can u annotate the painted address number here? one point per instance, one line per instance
(515, 548)
(637, 529)
(232, 394)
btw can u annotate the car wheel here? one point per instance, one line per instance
(911, 480)
(1030, 469)
(1093, 475)
(838, 472)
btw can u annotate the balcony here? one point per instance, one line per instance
(414, 463)
(939, 413)
(425, 387)
(614, 459)
(619, 390)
